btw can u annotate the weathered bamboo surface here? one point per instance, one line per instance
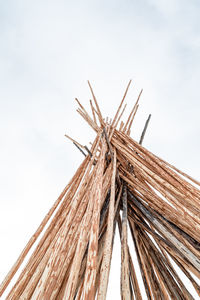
(156, 207)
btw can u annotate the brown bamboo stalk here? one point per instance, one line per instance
(97, 105)
(88, 120)
(105, 267)
(136, 287)
(75, 142)
(132, 119)
(93, 112)
(121, 126)
(133, 112)
(125, 286)
(145, 276)
(118, 110)
(120, 116)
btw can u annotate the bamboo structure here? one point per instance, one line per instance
(119, 183)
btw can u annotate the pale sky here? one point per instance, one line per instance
(48, 50)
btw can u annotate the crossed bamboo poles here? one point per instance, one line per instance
(118, 183)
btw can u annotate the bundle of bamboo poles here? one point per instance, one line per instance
(119, 182)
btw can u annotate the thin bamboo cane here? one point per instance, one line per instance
(132, 119)
(133, 112)
(120, 116)
(125, 286)
(88, 120)
(136, 288)
(118, 110)
(97, 105)
(105, 267)
(93, 112)
(140, 261)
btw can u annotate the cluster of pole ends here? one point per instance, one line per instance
(155, 206)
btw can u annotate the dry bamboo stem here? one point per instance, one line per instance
(132, 119)
(133, 112)
(97, 106)
(75, 142)
(120, 116)
(93, 112)
(88, 120)
(125, 286)
(134, 279)
(118, 110)
(105, 266)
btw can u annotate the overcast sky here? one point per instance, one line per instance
(48, 50)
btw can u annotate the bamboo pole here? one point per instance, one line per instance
(132, 114)
(118, 110)
(105, 266)
(125, 287)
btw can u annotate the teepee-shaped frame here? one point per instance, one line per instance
(119, 182)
